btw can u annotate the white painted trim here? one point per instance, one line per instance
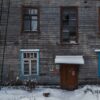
(26, 50)
(30, 68)
(22, 61)
(69, 59)
(22, 64)
(38, 62)
(97, 50)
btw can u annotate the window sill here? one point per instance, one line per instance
(63, 43)
(69, 43)
(30, 32)
(30, 75)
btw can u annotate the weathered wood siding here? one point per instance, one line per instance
(48, 40)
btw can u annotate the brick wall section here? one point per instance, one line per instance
(48, 40)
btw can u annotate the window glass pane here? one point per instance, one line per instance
(69, 24)
(28, 55)
(72, 29)
(26, 67)
(69, 20)
(27, 25)
(26, 17)
(30, 11)
(66, 19)
(30, 19)
(34, 17)
(35, 55)
(31, 55)
(72, 23)
(33, 66)
(66, 36)
(25, 55)
(73, 16)
(34, 25)
(33, 11)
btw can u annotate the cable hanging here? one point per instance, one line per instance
(1, 9)
(5, 40)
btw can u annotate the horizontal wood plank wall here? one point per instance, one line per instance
(48, 40)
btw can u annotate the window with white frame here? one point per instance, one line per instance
(30, 62)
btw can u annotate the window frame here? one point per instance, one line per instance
(38, 19)
(23, 51)
(61, 24)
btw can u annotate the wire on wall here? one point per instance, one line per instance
(5, 40)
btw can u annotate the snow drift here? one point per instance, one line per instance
(85, 93)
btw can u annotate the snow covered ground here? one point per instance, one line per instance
(85, 93)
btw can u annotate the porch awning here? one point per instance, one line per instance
(69, 60)
(97, 50)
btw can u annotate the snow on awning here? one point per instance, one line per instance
(97, 50)
(69, 60)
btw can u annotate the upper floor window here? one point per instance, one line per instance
(30, 19)
(69, 25)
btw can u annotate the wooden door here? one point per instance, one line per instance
(68, 76)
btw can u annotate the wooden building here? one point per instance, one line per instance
(51, 41)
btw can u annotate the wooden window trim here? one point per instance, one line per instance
(22, 51)
(22, 19)
(61, 25)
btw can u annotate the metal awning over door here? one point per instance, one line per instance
(69, 59)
